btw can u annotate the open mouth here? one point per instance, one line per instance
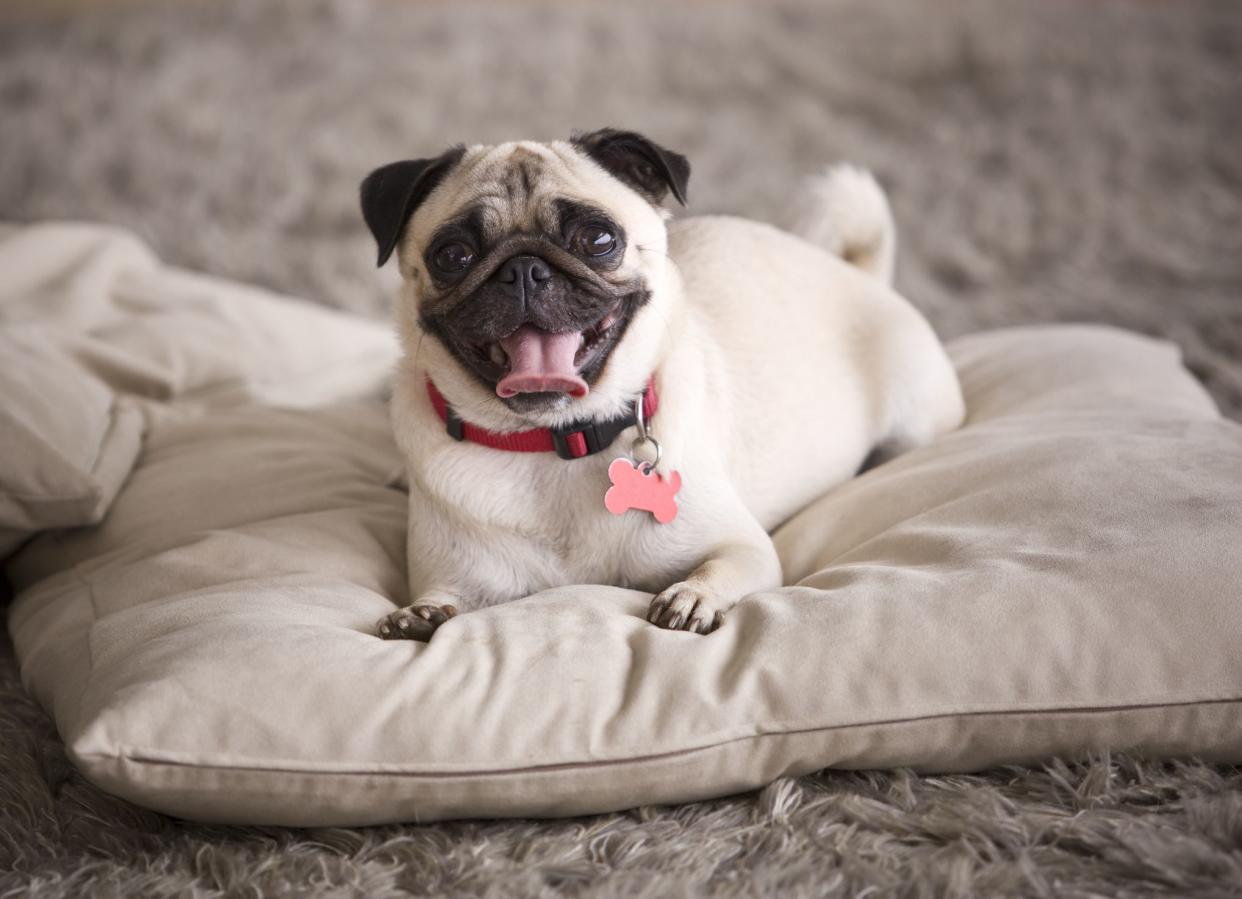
(532, 360)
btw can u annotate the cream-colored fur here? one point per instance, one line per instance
(779, 366)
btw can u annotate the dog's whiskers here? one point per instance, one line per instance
(417, 349)
(643, 249)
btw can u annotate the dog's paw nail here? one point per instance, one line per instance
(449, 611)
(656, 610)
(717, 620)
(675, 623)
(423, 612)
(385, 630)
(404, 623)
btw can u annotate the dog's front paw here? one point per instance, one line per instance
(687, 607)
(416, 622)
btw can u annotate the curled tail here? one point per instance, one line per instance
(845, 211)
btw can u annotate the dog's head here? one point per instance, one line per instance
(532, 270)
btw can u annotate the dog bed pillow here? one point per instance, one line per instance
(1061, 575)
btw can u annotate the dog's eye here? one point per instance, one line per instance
(453, 258)
(594, 240)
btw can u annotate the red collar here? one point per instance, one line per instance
(573, 441)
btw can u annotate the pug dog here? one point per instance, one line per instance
(592, 393)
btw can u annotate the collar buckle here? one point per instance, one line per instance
(586, 439)
(576, 440)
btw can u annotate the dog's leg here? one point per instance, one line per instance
(419, 620)
(739, 566)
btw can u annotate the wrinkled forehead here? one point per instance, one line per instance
(515, 187)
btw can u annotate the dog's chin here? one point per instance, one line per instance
(487, 362)
(541, 401)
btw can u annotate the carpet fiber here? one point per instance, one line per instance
(1048, 161)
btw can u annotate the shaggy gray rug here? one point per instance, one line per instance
(1048, 160)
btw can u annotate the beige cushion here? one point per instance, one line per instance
(67, 442)
(93, 329)
(1060, 575)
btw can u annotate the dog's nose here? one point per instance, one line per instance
(522, 275)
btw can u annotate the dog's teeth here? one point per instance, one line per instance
(496, 354)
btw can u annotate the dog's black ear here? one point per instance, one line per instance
(638, 161)
(391, 193)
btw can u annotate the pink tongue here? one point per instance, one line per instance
(541, 362)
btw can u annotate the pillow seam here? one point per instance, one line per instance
(126, 753)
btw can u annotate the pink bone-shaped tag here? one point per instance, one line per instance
(634, 488)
